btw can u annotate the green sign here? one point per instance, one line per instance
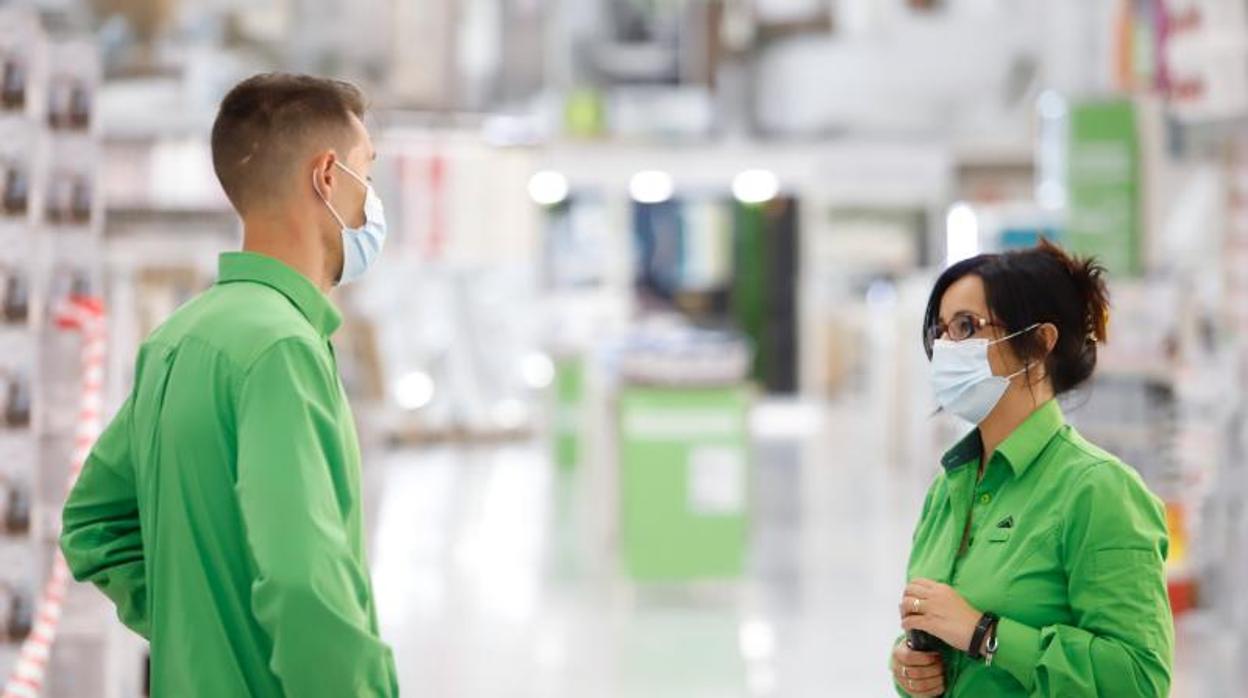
(1104, 185)
(569, 408)
(684, 482)
(584, 114)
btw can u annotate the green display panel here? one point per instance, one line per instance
(748, 285)
(569, 406)
(1104, 185)
(585, 115)
(684, 482)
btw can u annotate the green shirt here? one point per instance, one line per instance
(1068, 546)
(220, 510)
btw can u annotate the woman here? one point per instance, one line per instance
(1037, 566)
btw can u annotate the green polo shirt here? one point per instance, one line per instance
(1068, 546)
(220, 509)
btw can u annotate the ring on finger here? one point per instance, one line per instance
(915, 605)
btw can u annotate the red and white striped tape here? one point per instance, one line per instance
(86, 315)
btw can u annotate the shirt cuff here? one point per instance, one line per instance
(1018, 650)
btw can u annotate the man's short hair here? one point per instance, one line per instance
(269, 122)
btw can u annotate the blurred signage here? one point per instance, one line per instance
(1204, 56)
(1104, 184)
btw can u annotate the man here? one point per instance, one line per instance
(220, 510)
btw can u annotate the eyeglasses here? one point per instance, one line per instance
(964, 325)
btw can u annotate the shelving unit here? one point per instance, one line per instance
(51, 221)
(23, 157)
(1225, 519)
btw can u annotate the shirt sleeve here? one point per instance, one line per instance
(311, 594)
(1122, 641)
(100, 532)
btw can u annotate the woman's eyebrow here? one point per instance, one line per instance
(956, 313)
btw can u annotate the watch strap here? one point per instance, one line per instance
(986, 623)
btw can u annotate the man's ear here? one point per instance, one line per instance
(323, 172)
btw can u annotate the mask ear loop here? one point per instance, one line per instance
(325, 201)
(1025, 330)
(351, 172)
(1026, 367)
(1030, 364)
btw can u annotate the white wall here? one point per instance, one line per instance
(891, 70)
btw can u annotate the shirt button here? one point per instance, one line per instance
(985, 498)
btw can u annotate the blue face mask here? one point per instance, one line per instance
(962, 379)
(360, 246)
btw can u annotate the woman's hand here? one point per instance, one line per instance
(938, 610)
(921, 674)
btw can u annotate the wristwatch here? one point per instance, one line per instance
(987, 623)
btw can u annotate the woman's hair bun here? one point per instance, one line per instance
(1089, 277)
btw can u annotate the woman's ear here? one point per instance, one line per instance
(1049, 335)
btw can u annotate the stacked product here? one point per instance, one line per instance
(50, 230)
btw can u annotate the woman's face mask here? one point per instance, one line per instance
(962, 378)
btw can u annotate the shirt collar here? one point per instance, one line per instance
(258, 268)
(1020, 449)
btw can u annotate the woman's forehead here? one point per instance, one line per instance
(964, 295)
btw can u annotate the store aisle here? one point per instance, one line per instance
(488, 586)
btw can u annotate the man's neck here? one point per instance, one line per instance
(289, 241)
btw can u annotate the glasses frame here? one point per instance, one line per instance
(940, 329)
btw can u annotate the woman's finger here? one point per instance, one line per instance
(923, 687)
(918, 673)
(908, 657)
(918, 622)
(904, 656)
(910, 605)
(918, 591)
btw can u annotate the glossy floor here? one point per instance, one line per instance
(492, 579)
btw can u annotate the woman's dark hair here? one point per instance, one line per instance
(1039, 285)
